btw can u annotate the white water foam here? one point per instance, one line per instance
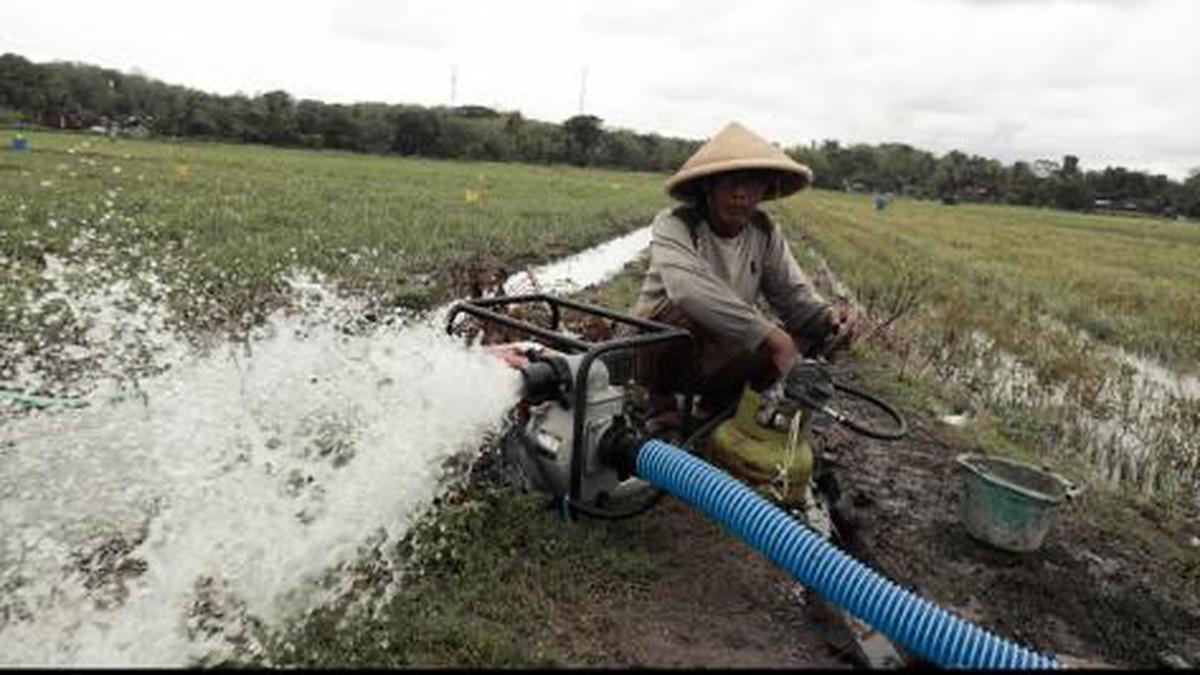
(258, 472)
(119, 330)
(156, 530)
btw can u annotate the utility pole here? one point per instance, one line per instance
(582, 89)
(453, 84)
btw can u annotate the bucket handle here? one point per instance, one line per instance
(1073, 490)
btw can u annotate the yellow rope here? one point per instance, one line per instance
(785, 469)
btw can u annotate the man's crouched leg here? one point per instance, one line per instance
(663, 370)
(717, 373)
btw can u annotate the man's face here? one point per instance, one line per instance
(732, 198)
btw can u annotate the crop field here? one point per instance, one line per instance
(1131, 282)
(212, 230)
(1026, 307)
(230, 219)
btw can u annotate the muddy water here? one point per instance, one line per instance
(1138, 439)
(161, 528)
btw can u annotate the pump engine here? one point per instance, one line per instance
(573, 433)
(542, 432)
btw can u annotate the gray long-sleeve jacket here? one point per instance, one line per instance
(717, 280)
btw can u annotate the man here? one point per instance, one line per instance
(711, 258)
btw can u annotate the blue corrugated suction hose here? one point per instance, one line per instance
(927, 630)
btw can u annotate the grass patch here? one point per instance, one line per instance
(244, 213)
(619, 293)
(485, 580)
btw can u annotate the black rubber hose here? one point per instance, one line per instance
(899, 432)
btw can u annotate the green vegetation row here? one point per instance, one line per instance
(1125, 281)
(365, 221)
(75, 96)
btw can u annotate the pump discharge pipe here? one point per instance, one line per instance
(927, 630)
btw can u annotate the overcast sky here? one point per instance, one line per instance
(1112, 81)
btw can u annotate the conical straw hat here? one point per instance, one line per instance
(736, 148)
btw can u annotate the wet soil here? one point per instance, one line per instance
(719, 604)
(1093, 593)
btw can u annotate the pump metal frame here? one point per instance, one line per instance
(651, 333)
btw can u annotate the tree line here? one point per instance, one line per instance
(81, 96)
(956, 176)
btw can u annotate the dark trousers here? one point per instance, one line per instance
(717, 372)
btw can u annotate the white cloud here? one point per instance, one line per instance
(1109, 80)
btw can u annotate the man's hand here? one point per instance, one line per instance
(841, 323)
(829, 332)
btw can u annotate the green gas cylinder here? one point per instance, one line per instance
(755, 445)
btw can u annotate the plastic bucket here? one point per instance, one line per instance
(1009, 504)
